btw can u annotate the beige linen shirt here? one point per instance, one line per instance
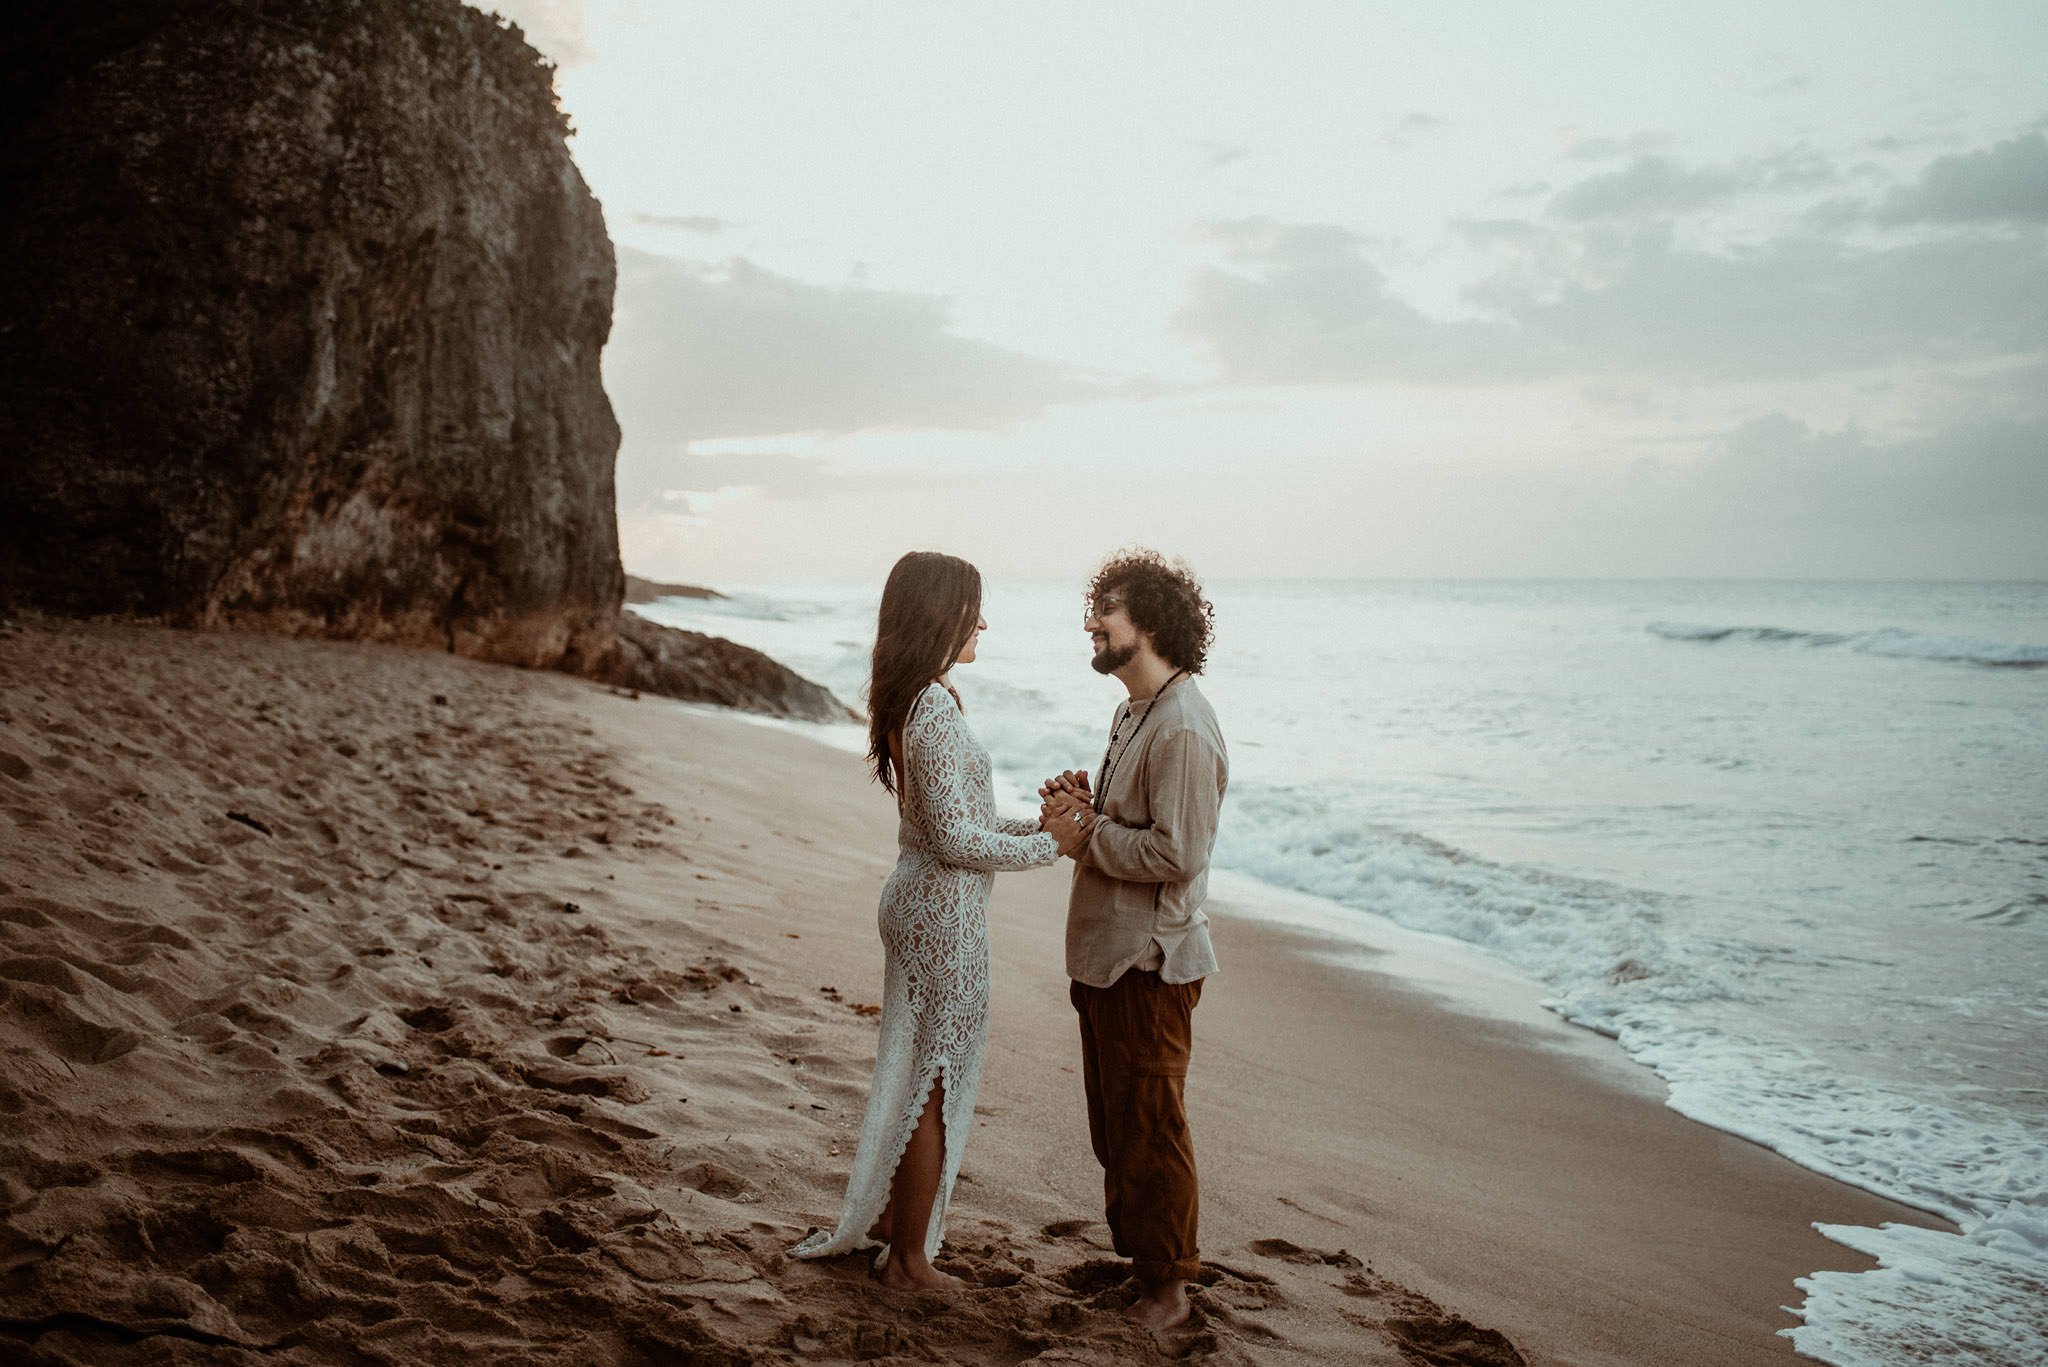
(1141, 878)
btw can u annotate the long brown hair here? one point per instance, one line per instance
(930, 606)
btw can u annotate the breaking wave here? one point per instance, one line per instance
(1889, 641)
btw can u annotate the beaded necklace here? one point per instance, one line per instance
(1111, 755)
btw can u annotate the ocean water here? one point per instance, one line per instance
(1786, 843)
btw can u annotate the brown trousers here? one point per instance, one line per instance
(1136, 1035)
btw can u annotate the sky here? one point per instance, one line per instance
(1445, 289)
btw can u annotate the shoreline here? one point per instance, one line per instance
(1441, 988)
(1462, 977)
(528, 1021)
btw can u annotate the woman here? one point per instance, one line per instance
(933, 921)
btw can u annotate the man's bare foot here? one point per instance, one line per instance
(920, 1277)
(1161, 1307)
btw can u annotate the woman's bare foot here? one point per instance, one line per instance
(1161, 1307)
(918, 1276)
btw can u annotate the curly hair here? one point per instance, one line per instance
(1163, 598)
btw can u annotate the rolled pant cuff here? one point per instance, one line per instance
(1152, 1272)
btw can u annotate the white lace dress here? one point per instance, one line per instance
(934, 923)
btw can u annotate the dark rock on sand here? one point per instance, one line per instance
(640, 590)
(688, 664)
(303, 302)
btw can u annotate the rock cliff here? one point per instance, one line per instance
(304, 301)
(301, 305)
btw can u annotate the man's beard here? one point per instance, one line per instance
(1110, 659)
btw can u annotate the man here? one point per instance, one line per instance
(1137, 938)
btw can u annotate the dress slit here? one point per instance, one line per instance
(949, 1159)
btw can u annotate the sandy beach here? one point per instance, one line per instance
(374, 1005)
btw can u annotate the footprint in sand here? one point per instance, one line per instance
(714, 1179)
(619, 1128)
(655, 1255)
(1214, 1272)
(1093, 1277)
(555, 1134)
(1289, 1252)
(182, 1235)
(1453, 1342)
(429, 1020)
(574, 1082)
(580, 1048)
(46, 1013)
(64, 975)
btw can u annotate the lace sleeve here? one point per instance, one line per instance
(1013, 825)
(936, 779)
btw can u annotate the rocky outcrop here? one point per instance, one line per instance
(303, 302)
(687, 664)
(640, 590)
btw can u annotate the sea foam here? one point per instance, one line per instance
(1625, 963)
(1888, 641)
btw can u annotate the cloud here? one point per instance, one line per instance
(1647, 185)
(1654, 186)
(1514, 232)
(1409, 127)
(1609, 149)
(1958, 489)
(2006, 182)
(1796, 84)
(779, 476)
(1777, 496)
(1989, 468)
(689, 223)
(775, 474)
(1791, 169)
(1305, 302)
(734, 350)
(1794, 307)
(1214, 156)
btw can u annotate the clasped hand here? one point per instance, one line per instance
(1066, 809)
